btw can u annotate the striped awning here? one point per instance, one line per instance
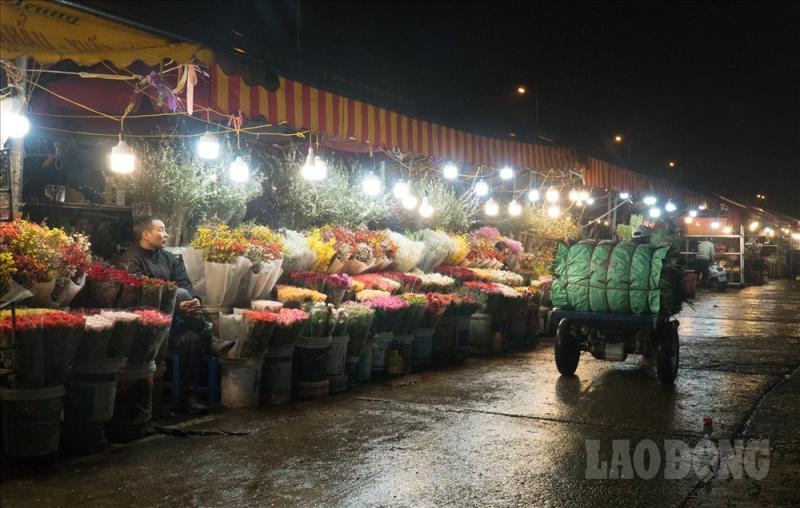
(605, 175)
(342, 119)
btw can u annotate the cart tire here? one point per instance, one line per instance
(667, 353)
(567, 349)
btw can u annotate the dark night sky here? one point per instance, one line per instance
(713, 86)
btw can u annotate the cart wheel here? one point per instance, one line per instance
(568, 350)
(667, 352)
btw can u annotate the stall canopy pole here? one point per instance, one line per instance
(17, 155)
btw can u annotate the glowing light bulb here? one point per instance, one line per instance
(590, 201)
(239, 171)
(314, 169)
(16, 126)
(533, 195)
(573, 195)
(715, 225)
(208, 147)
(687, 220)
(693, 213)
(670, 207)
(753, 225)
(624, 195)
(491, 208)
(506, 173)
(122, 158)
(655, 212)
(583, 195)
(400, 189)
(514, 208)
(409, 202)
(727, 230)
(481, 188)
(553, 212)
(450, 171)
(371, 184)
(425, 209)
(579, 203)
(552, 195)
(702, 207)
(650, 200)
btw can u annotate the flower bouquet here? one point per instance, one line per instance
(258, 329)
(314, 281)
(95, 340)
(265, 250)
(126, 325)
(459, 254)
(297, 256)
(359, 318)
(327, 258)
(150, 295)
(435, 309)
(377, 281)
(408, 252)
(152, 331)
(366, 295)
(44, 349)
(75, 260)
(458, 273)
(389, 312)
(131, 294)
(31, 256)
(408, 283)
(414, 315)
(436, 282)
(336, 287)
(169, 293)
(288, 326)
(438, 247)
(103, 285)
(383, 248)
(216, 264)
(266, 305)
(295, 296)
(505, 277)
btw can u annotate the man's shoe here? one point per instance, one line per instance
(221, 348)
(193, 405)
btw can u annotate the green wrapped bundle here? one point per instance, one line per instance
(640, 279)
(558, 290)
(601, 257)
(619, 273)
(579, 263)
(666, 281)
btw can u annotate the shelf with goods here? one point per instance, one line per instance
(732, 257)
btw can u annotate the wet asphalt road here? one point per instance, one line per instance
(498, 431)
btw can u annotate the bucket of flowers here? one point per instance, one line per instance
(152, 331)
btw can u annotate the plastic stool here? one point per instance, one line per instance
(173, 385)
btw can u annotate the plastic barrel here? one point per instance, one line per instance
(31, 421)
(443, 341)
(380, 352)
(460, 339)
(404, 345)
(133, 405)
(337, 358)
(276, 375)
(480, 334)
(88, 404)
(240, 382)
(310, 366)
(365, 363)
(423, 348)
(517, 322)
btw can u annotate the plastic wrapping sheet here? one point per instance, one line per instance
(640, 279)
(601, 257)
(619, 273)
(579, 262)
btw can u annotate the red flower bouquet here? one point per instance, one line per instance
(259, 327)
(153, 330)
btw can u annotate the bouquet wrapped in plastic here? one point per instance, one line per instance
(151, 292)
(434, 310)
(104, 284)
(337, 286)
(320, 320)
(409, 283)
(216, 264)
(298, 256)
(389, 312)
(291, 295)
(359, 319)
(409, 252)
(438, 247)
(96, 339)
(460, 274)
(169, 292)
(258, 330)
(126, 325)
(152, 331)
(413, 315)
(436, 283)
(377, 281)
(288, 326)
(264, 249)
(369, 294)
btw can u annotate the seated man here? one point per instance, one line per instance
(190, 334)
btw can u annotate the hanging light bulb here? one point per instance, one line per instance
(715, 225)
(491, 208)
(727, 230)
(768, 231)
(753, 225)
(506, 173)
(687, 220)
(670, 207)
(481, 188)
(514, 208)
(239, 170)
(579, 203)
(624, 195)
(703, 206)
(590, 201)
(400, 190)
(552, 195)
(371, 184)
(208, 146)
(425, 208)
(573, 195)
(553, 212)
(409, 202)
(655, 212)
(122, 158)
(314, 169)
(692, 213)
(450, 171)
(583, 195)
(533, 195)
(650, 200)
(16, 125)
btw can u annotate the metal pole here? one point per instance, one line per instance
(17, 155)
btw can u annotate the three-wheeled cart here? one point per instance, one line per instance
(612, 337)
